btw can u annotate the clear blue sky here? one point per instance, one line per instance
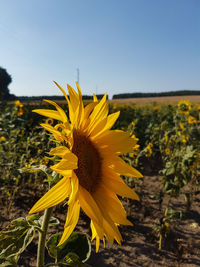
(118, 45)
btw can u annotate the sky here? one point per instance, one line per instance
(118, 46)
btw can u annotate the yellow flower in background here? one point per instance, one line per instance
(197, 107)
(182, 126)
(39, 151)
(167, 151)
(20, 112)
(32, 160)
(184, 139)
(90, 166)
(18, 104)
(155, 107)
(2, 139)
(149, 150)
(133, 124)
(166, 138)
(136, 148)
(114, 106)
(191, 120)
(184, 106)
(27, 165)
(44, 161)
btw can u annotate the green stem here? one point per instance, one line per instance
(42, 238)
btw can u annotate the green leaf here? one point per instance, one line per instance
(52, 221)
(14, 241)
(36, 220)
(77, 243)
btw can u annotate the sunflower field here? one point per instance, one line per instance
(137, 203)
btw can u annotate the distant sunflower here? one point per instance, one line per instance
(90, 166)
(184, 107)
(191, 120)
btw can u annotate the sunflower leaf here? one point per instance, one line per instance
(36, 221)
(14, 241)
(76, 246)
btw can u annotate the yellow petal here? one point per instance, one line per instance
(88, 109)
(97, 128)
(104, 125)
(117, 141)
(112, 232)
(59, 151)
(48, 113)
(58, 135)
(54, 196)
(61, 112)
(99, 112)
(119, 187)
(121, 167)
(111, 205)
(70, 162)
(95, 99)
(62, 90)
(75, 188)
(69, 103)
(76, 106)
(89, 205)
(71, 221)
(86, 113)
(65, 153)
(94, 235)
(74, 99)
(116, 184)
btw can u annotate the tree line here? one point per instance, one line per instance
(171, 93)
(6, 79)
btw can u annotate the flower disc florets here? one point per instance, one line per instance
(89, 162)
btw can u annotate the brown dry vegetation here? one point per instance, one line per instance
(139, 100)
(161, 99)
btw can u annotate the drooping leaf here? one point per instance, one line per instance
(77, 243)
(14, 241)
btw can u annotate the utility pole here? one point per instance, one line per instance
(78, 75)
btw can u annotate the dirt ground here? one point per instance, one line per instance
(140, 246)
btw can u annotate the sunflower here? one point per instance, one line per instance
(167, 151)
(191, 120)
(184, 107)
(90, 166)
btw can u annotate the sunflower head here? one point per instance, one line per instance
(184, 107)
(90, 166)
(191, 120)
(167, 151)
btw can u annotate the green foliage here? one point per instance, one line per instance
(18, 235)
(5, 80)
(76, 249)
(168, 142)
(14, 241)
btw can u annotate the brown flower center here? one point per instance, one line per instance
(89, 162)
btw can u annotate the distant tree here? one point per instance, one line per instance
(5, 80)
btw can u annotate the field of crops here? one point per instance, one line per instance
(166, 220)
